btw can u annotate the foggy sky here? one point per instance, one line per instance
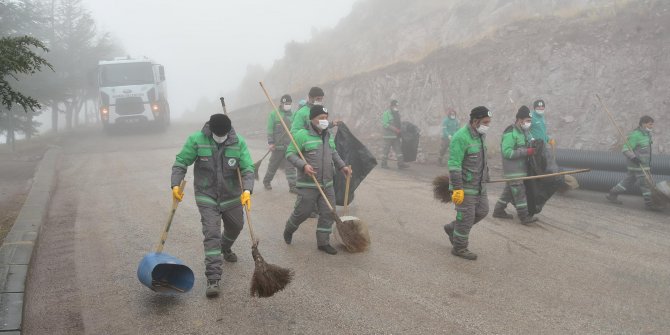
(206, 45)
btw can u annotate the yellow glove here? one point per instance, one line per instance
(177, 194)
(245, 199)
(552, 142)
(457, 196)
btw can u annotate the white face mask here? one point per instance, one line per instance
(526, 125)
(287, 107)
(482, 129)
(539, 111)
(648, 129)
(452, 116)
(317, 103)
(219, 139)
(323, 124)
(395, 109)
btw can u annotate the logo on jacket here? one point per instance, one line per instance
(232, 162)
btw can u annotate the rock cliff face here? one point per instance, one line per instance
(619, 51)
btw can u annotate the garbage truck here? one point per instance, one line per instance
(132, 91)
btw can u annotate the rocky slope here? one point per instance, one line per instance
(619, 51)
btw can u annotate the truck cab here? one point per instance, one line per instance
(132, 91)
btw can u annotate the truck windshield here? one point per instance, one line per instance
(126, 74)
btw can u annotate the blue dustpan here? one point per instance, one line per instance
(162, 272)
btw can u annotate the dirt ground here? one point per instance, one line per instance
(16, 174)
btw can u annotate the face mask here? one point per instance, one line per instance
(219, 139)
(395, 109)
(526, 125)
(539, 111)
(287, 108)
(323, 124)
(482, 129)
(648, 129)
(452, 116)
(317, 103)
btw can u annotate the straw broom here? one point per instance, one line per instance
(352, 228)
(267, 279)
(350, 231)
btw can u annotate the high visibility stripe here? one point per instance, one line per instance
(227, 238)
(522, 205)
(502, 202)
(311, 184)
(291, 224)
(204, 146)
(230, 202)
(310, 142)
(471, 191)
(327, 230)
(179, 164)
(205, 199)
(456, 233)
(213, 252)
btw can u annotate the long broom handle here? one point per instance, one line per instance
(647, 175)
(246, 210)
(298, 149)
(540, 176)
(175, 203)
(346, 193)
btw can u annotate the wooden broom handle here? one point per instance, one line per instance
(346, 192)
(540, 176)
(288, 131)
(246, 210)
(175, 203)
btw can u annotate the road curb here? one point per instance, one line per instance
(17, 249)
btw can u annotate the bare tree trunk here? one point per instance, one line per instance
(54, 116)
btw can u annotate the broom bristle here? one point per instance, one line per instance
(658, 199)
(441, 188)
(354, 234)
(267, 279)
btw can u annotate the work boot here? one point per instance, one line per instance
(212, 288)
(613, 199)
(385, 165)
(229, 256)
(502, 214)
(288, 237)
(464, 253)
(528, 220)
(449, 229)
(328, 249)
(267, 186)
(402, 166)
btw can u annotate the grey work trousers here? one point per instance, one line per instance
(395, 144)
(304, 205)
(514, 192)
(631, 178)
(215, 241)
(473, 209)
(278, 159)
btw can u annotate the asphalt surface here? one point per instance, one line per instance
(587, 267)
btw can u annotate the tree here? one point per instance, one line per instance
(17, 57)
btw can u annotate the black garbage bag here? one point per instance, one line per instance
(410, 135)
(354, 153)
(539, 191)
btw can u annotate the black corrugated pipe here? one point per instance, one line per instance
(603, 181)
(606, 161)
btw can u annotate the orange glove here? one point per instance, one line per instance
(552, 142)
(457, 196)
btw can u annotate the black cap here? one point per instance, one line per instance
(646, 119)
(317, 110)
(479, 113)
(316, 92)
(394, 102)
(219, 124)
(523, 113)
(538, 104)
(286, 98)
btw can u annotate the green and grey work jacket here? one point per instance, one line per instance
(276, 133)
(638, 145)
(319, 151)
(514, 149)
(215, 182)
(468, 169)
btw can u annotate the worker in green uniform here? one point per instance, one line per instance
(449, 127)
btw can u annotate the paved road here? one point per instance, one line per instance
(587, 267)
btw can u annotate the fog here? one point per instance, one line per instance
(206, 45)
